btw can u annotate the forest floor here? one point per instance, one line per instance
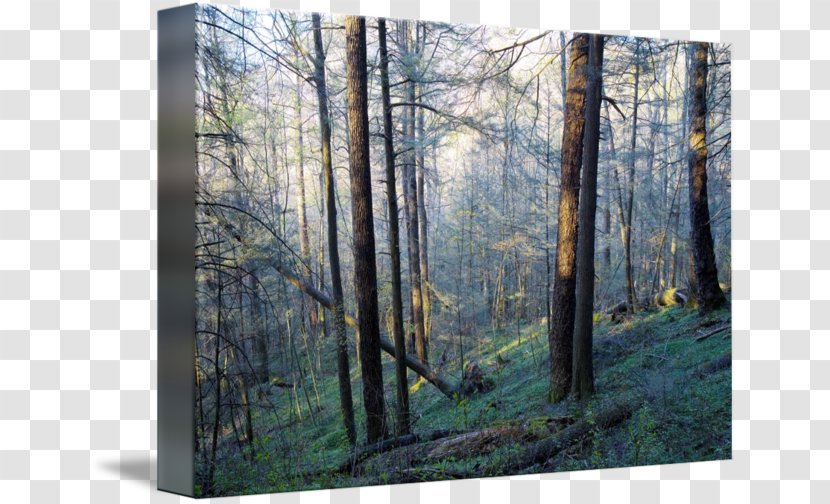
(674, 386)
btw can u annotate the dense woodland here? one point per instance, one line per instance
(427, 251)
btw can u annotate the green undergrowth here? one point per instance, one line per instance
(682, 408)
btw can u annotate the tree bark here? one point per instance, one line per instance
(338, 320)
(583, 366)
(547, 218)
(363, 228)
(401, 387)
(423, 240)
(410, 190)
(709, 294)
(302, 214)
(629, 204)
(422, 222)
(560, 338)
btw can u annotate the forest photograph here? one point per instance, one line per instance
(430, 251)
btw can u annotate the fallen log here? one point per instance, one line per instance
(622, 307)
(537, 453)
(424, 474)
(670, 297)
(446, 385)
(478, 442)
(542, 451)
(443, 445)
(390, 444)
(712, 332)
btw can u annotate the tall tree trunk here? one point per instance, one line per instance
(339, 318)
(665, 163)
(422, 222)
(363, 228)
(394, 240)
(606, 218)
(583, 365)
(321, 267)
(709, 294)
(564, 284)
(629, 203)
(423, 242)
(673, 268)
(410, 190)
(547, 220)
(302, 214)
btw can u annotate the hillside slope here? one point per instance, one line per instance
(663, 396)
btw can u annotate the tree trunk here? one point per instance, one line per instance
(302, 218)
(629, 204)
(339, 318)
(402, 387)
(547, 217)
(673, 269)
(606, 216)
(564, 284)
(422, 223)
(423, 241)
(709, 294)
(410, 190)
(583, 366)
(363, 228)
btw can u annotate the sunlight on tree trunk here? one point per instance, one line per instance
(709, 294)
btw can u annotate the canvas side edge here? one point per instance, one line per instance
(176, 239)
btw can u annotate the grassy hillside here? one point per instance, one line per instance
(678, 391)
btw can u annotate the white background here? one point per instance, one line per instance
(78, 229)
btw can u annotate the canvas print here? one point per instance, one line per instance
(429, 251)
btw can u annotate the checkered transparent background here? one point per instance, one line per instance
(78, 251)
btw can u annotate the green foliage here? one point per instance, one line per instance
(461, 413)
(644, 438)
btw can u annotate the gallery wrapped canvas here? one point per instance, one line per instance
(398, 251)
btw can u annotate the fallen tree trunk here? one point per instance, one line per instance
(477, 442)
(425, 474)
(669, 297)
(446, 385)
(713, 332)
(542, 451)
(448, 445)
(390, 444)
(622, 307)
(487, 440)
